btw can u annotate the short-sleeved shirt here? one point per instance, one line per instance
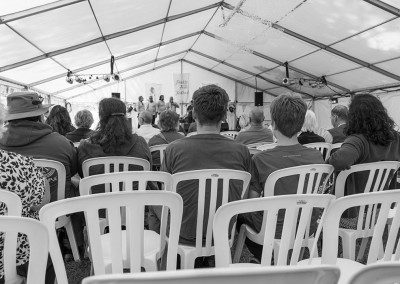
(19, 175)
(281, 157)
(203, 151)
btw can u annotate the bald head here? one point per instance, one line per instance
(145, 117)
(257, 116)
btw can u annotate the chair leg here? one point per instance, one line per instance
(72, 241)
(348, 248)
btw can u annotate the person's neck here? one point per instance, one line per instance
(283, 140)
(208, 129)
(256, 125)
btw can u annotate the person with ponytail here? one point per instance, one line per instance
(113, 137)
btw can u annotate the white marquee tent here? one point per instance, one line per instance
(327, 48)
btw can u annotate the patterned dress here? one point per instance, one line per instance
(18, 174)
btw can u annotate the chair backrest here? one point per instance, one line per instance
(61, 174)
(298, 212)
(191, 134)
(377, 222)
(214, 176)
(160, 149)
(312, 178)
(230, 134)
(76, 144)
(38, 247)
(267, 146)
(323, 147)
(12, 202)
(380, 273)
(114, 162)
(134, 203)
(322, 274)
(378, 176)
(256, 145)
(127, 179)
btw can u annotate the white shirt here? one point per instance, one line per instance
(147, 131)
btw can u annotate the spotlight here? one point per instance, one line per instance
(69, 80)
(78, 79)
(106, 78)
(116, 77)
(287, 81)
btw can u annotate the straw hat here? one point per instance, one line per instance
(25, 104)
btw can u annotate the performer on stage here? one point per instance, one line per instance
(171, 105)
(152, 107)
(161, 106)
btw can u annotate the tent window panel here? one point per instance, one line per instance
(391, 66)
(182, 6)
(177, 46)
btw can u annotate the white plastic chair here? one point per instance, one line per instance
(38, 248)
(161, 150)
(187, 253)
(115, 162)
(378, 171)
(12, 202)
(256, 145)
(312, 179)
(231, 134)
(63, 221)
(323, 147)
(14, 208)
(298, 213)
(331, 232)
(254, 275)
(267, 146)
(130, 247)
(128, 179)
(191, 134)
(380, 273)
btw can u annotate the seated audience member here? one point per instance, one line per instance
(19, 175)
(371, 137)
(287, 117)
(244, 122)
(168, 122)
(192, 127)
(310, 125)
(59, 120)
(338, 119)
(146, 129)
(27, 135)
(113, 137)
(256, 133)
(83, 120)
(206, 150)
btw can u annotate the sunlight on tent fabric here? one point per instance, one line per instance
(13, 6)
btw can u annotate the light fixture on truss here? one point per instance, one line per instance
(84, 78)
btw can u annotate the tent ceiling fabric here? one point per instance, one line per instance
(354, 44)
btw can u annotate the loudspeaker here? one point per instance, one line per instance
(116, 95)
(258, 98)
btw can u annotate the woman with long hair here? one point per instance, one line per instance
(371, 137)
(307, 134)
(60, 120)
(113, 136)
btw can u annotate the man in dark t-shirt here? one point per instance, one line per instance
(287, 118)
(206, 150)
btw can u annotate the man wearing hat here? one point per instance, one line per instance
(27, 135)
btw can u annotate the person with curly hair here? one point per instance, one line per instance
(60, 120)
(371, 137)
(83, 120)
(113, 137)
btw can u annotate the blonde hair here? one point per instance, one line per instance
(310, 122)
(2, 112)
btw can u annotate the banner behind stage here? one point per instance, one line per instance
(181, 83)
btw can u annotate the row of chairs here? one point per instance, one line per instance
(127, 249)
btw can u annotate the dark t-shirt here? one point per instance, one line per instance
(275, 159)
(309, 137)
(203, 151)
